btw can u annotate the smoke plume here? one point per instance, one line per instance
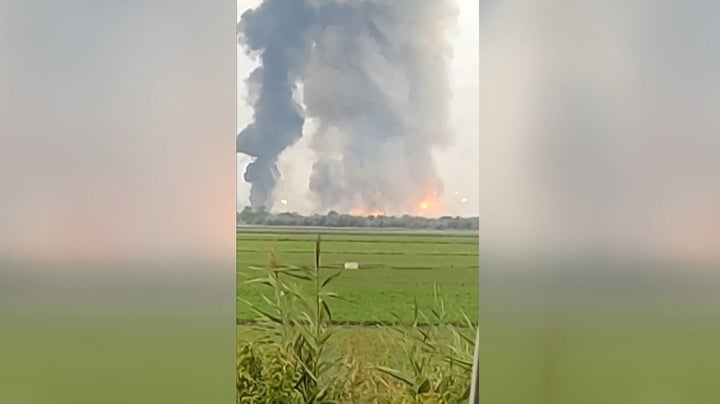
(375, 80)
(277, 31)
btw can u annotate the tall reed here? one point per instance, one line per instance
(292, 356)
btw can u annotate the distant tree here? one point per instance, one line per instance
(261, 216)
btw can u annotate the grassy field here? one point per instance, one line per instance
(396, 267)
(399, 270)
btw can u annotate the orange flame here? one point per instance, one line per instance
(430, 204)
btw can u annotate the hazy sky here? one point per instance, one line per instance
(457, 165)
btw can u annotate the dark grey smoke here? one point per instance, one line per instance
(375, 79)
(378, 84)
(277, 31)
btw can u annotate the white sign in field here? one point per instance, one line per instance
(351, 265)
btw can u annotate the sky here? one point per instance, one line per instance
(457, 165)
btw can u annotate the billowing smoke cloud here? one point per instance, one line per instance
(375, 80)
(277, 30)
(378, 85)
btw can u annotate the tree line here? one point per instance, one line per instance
(250, 216)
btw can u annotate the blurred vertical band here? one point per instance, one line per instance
(117, 215)
(600, 196)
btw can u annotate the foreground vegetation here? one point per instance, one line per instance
(295, 352)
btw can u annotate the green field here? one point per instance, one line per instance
(398, 270)
(395, 269)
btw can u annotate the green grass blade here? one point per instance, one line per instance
(395, 374)
(330, 278)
